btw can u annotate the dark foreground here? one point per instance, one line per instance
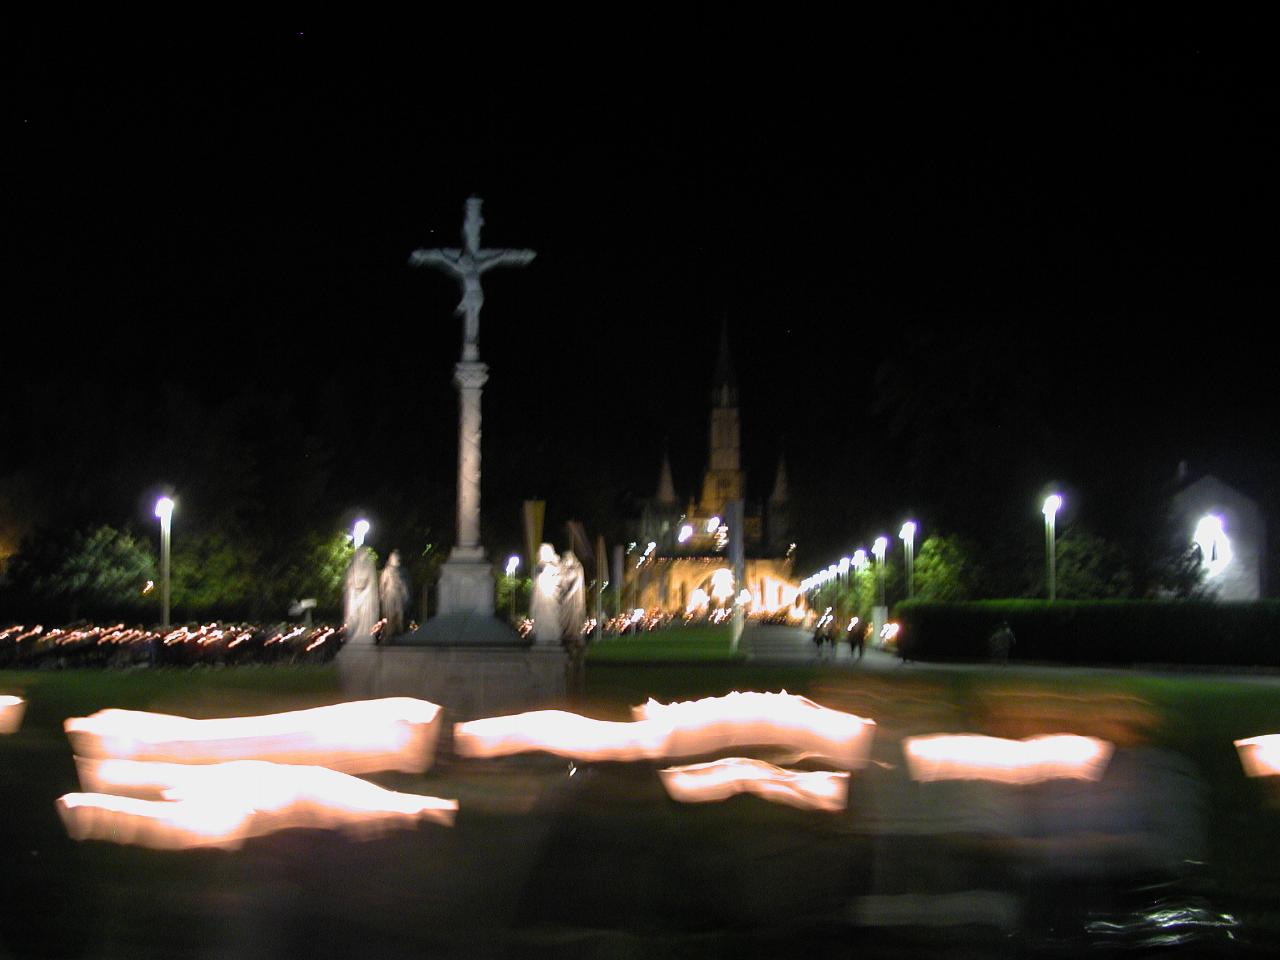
(1173, 852)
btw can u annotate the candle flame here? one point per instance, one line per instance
(721, 779)
(394, 733)
(1033, 760)
(223, 804)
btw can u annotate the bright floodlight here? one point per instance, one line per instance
(713, 525)
(1215, 547)
(164, 509)
(359, 531)
(685, 533)
(908, 531)
(1052, 504)
(859, 559)
(843, 565)
(879, 547)
(513, 564)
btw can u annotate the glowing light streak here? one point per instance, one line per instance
(722, 584)
(721, 779)
(395, 733)
(677, 730)
(224, 804)
(322, 637)
(1260, 756)
(1215, 546)
(763, 719)
(1033, 760)
(11, 710)
(698, 600)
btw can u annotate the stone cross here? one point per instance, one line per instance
(467, 264)
(466, 581)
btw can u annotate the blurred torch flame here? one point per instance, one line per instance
(394, 733)
(721, 779)
(1033, 760)
(224, 804)
(1260, 756)
(678, 730)
(11, 709)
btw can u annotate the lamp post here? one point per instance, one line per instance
(164, 510)
(359, 532)
(513, 564)
(878, 548)
(1052, 504)
(908, 535)
(859, 563)
(843, 568)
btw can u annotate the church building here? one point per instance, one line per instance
(679, 562)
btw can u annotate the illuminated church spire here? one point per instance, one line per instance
(778, 512)
(666, 487)
(779, 494)
(723, 480)
(725, 391)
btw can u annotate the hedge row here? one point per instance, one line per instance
(1112, 632)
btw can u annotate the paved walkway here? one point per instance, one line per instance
(779, 644)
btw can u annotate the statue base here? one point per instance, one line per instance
(466, 584)
(468, 681)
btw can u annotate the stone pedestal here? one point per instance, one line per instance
(469, 682)
(466, 586)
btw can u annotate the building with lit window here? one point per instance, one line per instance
(679, 561)
(1228, 530)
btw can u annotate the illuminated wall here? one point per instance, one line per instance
(667, 583)
(1234, 562)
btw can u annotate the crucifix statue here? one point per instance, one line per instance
(466, 580)
(467, 265)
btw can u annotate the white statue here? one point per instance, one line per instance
(393, 594)
(360, 612)
(573, 597)
(544, 608)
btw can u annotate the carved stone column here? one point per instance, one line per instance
(470, 378)
(466, 580)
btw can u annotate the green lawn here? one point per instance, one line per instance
(592, 861)
(686, 644)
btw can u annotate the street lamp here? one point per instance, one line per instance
(843, 569)
(359, 532)
(513, 564)
(1052, 504)
(164, 510)
(908, 535)
(878, 548)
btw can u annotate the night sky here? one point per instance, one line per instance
(961, 255)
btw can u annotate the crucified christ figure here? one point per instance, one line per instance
(467, 264)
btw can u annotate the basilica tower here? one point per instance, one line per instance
(723, 480)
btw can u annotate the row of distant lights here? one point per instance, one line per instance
(859, 559)
(1210, 537)
(714, 526)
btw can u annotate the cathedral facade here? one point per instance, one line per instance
(679, 561)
